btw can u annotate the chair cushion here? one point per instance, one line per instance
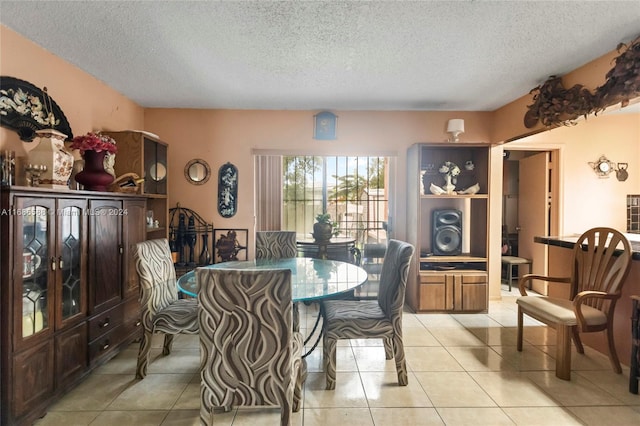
(347, 319)
(179, 317)
(559, 311)
(515, 260)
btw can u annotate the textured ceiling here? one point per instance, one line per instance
(343, 55)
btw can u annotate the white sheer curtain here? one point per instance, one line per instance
(268, 192)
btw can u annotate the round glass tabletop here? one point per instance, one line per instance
(311, 279)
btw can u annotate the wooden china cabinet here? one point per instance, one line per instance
(68, 300)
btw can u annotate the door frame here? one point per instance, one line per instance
(556, 153)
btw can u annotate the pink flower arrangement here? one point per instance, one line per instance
(94, 142)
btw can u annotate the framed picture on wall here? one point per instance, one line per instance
(230, 244)
(325, 126)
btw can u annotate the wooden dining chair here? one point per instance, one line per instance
(249, 353)
(371, 319)
(276, 244)
(162, 310)
(600, 264)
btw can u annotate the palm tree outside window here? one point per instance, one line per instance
(352, 189)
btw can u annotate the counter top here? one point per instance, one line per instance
(569, 241)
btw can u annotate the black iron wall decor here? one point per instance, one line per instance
(229, 243)
(554, 105)
(24, 108)
(227, 190)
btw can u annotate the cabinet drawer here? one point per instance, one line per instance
(474, 279)
(105, 322)
(133, 330)
(107, 343)
(432, 279)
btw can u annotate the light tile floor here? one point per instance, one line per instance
(463, 370)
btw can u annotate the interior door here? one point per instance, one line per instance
(533, 212)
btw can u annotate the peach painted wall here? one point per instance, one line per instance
(220, 136)
(87, 103)
(587, 200)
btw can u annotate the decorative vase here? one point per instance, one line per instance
(322, 231)
(93, 176)
(78, 165)
(191, 239)
(448, 186)
(205, 256)
(50, 152)
(181, 239)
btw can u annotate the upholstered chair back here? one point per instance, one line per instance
(275, 244)
(393, 278)
(157, 276)
(249, 354)
(162, 310)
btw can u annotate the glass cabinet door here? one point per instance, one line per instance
(34, 251)
(70, 218)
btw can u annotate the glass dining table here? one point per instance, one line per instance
(312, 280)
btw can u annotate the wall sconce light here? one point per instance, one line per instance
(603, 167)
(455, 126)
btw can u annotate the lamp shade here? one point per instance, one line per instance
(455, 125)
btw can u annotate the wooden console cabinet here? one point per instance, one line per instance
(449, 230)
(69, 296)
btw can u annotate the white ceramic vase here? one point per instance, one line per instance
(50, 152)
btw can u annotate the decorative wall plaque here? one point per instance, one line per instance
(325, 126)
(227, 190)
(24, 108)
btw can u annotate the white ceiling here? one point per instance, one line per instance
(343, 55)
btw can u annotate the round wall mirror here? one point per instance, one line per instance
(158, 172)
(197, 171)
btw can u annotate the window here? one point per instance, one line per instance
(353, 190)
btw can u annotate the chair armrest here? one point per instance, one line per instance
(589, 294)
(530, 277)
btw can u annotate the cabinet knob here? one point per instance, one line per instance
(105, 346)
(138, 323)
(53, 263)
(61, 262)
(105, 323)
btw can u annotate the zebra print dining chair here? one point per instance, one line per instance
(249, 353)
(276, 244)
(162, 310)
(371, 319)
